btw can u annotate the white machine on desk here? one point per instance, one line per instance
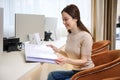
(35, 39)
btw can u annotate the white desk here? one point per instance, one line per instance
(14, 67)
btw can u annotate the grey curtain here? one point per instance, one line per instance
(104, 20)
(110, 12)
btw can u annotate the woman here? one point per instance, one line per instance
(78, 45)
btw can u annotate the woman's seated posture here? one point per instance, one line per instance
(78, 45)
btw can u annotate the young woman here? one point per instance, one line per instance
(78, 45)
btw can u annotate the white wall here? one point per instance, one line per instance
(1, 30)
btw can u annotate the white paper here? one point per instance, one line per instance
(39, 53)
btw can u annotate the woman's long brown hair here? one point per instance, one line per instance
(74, 12)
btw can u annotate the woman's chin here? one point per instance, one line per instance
(68, 28)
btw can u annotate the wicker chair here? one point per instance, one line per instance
(107, 64)
(100, 46)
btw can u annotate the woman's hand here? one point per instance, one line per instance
(62, 60)
(54, 48)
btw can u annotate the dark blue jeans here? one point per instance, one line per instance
(61, 75)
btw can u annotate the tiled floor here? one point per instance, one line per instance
(118, 44)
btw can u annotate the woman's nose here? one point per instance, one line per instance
(64, 22)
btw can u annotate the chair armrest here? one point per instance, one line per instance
(96, 69)
(112, 78)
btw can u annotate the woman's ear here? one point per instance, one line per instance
(75, 20)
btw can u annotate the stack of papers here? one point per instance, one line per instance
(39, 53)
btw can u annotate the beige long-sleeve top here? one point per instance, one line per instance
(79, 44)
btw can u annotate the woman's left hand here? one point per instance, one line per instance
(62, 60)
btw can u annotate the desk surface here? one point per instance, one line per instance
(13, 65)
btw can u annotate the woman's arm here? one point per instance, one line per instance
(58, 50)
(76, 62)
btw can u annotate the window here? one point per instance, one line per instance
(53, 9)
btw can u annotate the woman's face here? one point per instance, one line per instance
(68, 21)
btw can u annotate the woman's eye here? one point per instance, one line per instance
(65, 19)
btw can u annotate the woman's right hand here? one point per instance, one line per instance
(54, 48)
